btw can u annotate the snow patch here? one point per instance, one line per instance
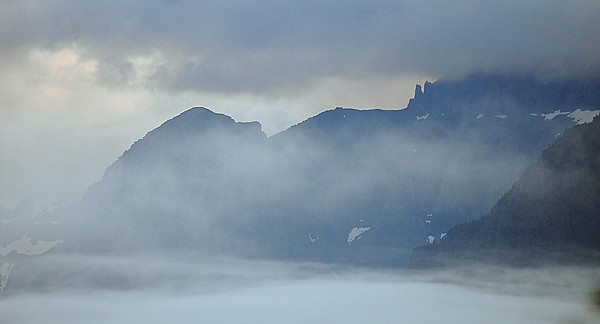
(553, 115)
(4, 272)
(583, 116)
(479, 116)
(312, 239)
(500, 116)
(578, 116)
(356, 233)
(423, 117)
(442, 235)
(430, 239)
(427, 221)
(26, 247)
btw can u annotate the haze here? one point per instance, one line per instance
(186, 289)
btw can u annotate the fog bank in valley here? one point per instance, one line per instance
(68, 288)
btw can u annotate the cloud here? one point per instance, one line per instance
(158, 289)
(265, 46)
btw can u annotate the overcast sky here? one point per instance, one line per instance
(81, 80)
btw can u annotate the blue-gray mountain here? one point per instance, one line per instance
(550, 215)
(362, 187)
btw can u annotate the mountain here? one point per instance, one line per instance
(351, 186)
(165, 190)
(550, 215)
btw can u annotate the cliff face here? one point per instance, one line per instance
(551, 214)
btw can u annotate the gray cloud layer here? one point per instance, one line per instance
(263, 46)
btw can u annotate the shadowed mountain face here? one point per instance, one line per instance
(362, 187)
(551, 214)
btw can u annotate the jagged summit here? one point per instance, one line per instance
(418, 91)
(510, 90)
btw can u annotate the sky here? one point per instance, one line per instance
(80, 81)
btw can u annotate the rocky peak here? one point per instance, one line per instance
(418, 91)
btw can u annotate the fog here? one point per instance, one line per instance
(186, 288)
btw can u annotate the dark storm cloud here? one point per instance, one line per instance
(264, 46)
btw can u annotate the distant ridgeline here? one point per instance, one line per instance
(349, 186)
(550, 215)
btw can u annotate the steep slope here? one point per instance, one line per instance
(552, 214)
(344, 186)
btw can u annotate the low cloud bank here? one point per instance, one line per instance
(189, 289)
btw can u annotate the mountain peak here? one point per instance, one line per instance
(196, 112)
(202, 119)
(418, 91)
(195, 129)
(194, 117)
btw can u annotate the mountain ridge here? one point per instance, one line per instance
(406, 175)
